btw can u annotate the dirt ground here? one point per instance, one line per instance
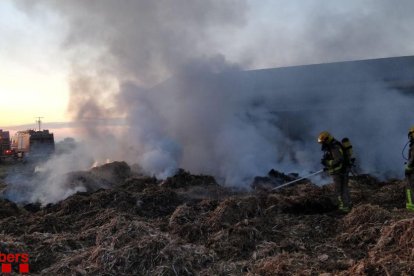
(189, 225)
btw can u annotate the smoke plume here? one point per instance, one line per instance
(173, 74)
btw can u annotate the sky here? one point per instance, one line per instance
(32, 72)
(36, 63)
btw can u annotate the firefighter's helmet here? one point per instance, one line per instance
(324, 137)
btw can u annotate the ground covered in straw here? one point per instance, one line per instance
(189, 225)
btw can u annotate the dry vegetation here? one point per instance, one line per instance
(189, 225)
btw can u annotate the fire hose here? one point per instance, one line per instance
(299, 179)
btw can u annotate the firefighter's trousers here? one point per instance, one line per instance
(410, 191)
(342, 190)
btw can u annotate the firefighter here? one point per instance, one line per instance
(409, 172)
(335, 164)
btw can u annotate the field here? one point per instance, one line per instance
(189, 225)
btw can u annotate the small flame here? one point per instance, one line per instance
(95, 164)
(98, 163)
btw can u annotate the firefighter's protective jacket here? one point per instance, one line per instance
(410, 163)
(333, 158)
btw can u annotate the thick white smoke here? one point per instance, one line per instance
(47, 182)
(161, 68)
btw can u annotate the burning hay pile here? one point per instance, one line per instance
(189, 225)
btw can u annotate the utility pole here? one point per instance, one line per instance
(38, 121)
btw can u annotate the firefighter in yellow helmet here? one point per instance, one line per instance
(334, 163)
(409, 172)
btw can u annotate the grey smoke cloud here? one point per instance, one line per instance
(171, 69)
(307, 32)
(148, 39)
(47, 182)
(143, 40)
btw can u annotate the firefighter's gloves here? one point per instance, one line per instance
(408, 170)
